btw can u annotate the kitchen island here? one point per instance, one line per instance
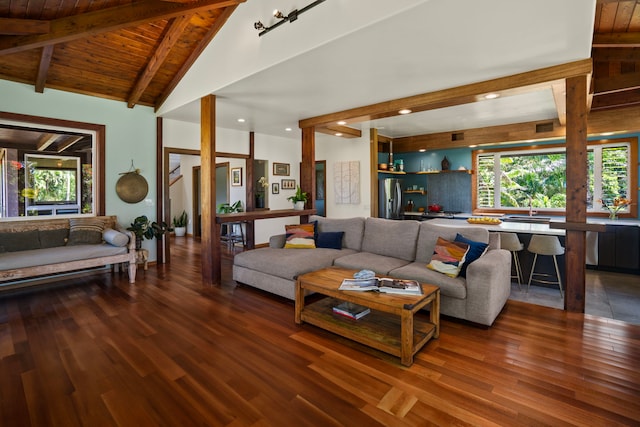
(616, 249)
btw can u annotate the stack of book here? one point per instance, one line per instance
(382, 284)
(351, 310)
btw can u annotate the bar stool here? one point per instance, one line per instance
(233, 234)
(512, 243)
(545, 245)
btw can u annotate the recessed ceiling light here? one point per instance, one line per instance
(241, 120)
(404, 111)
(491, 96)
(422, 150)
(337, 134)
(288, 129)
(342, 122)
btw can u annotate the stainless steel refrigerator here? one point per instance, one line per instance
(390, 198)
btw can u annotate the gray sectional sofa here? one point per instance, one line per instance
(390, 248)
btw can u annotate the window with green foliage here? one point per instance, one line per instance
(517, 179)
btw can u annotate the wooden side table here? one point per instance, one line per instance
(142, 257)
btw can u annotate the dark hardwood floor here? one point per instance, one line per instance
(169, 351)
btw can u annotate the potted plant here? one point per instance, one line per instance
(144, 229)
(298, 199)
(227, 208)
(180, 224)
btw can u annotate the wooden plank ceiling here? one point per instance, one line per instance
(134, 51)
(616, 54)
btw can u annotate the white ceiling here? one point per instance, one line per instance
(427, 46)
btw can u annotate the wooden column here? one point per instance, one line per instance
(308, 166)
(373, 160)
(162, 244)
(251, 200)
(575, 240)
(210, 240)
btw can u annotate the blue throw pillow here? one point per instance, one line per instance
(476, 250)
(330, 240)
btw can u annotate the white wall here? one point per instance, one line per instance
(130, 136)
(334, 149)
(282, 150)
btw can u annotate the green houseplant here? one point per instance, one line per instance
(143, 228)
(180, 223)
(227, 208)
(298, 199)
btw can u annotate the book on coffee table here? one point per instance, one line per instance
(382, 284)
(351, 310)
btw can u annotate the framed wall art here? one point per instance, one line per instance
(275, 188)
(281, 169)
(236, 177)
(288, 184)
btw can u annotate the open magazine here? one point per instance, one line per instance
(382, 284)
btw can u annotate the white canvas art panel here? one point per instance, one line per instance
(346, 182)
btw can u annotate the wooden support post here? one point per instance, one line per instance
(210, 240)
(373, 160)
(576, 210)
(308, 166)
(251, 180)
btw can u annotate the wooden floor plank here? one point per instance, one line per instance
(96, 350)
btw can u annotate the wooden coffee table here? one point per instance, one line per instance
(390, 327)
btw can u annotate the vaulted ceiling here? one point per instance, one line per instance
(134, 51)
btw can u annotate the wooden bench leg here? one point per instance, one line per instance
(132, 272)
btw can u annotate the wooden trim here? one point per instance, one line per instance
(43, 68)
(217, 25)
(19, 27)
(308, 166)
(162, 244)
(99, 130)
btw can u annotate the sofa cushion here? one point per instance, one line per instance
(36, 257)
(448, 257)
(381, 264)
(115, 238)
(85, 231)
(53, 238)
(454, 287)
(19, 241)
(287, 263)
(330, 239)
(429, 234)
(391, 238)
(476, 250)
(300, 236)
(353, 229)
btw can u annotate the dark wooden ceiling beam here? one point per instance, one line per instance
(105, 20)
(608, 40)
(619, 83)
(43, 68)
(217, 25)
(170, 38)
(616, 100)
(19, 27)
(631, 54)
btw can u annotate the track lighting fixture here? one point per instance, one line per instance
(292, 16)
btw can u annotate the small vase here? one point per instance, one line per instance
(613, 215)
(259, 202)
(445, 164)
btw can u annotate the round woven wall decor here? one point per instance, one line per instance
(132, 187)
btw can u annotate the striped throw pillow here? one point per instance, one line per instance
(85, 231)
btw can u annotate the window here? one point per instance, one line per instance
(514, 179)
(50, 167)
